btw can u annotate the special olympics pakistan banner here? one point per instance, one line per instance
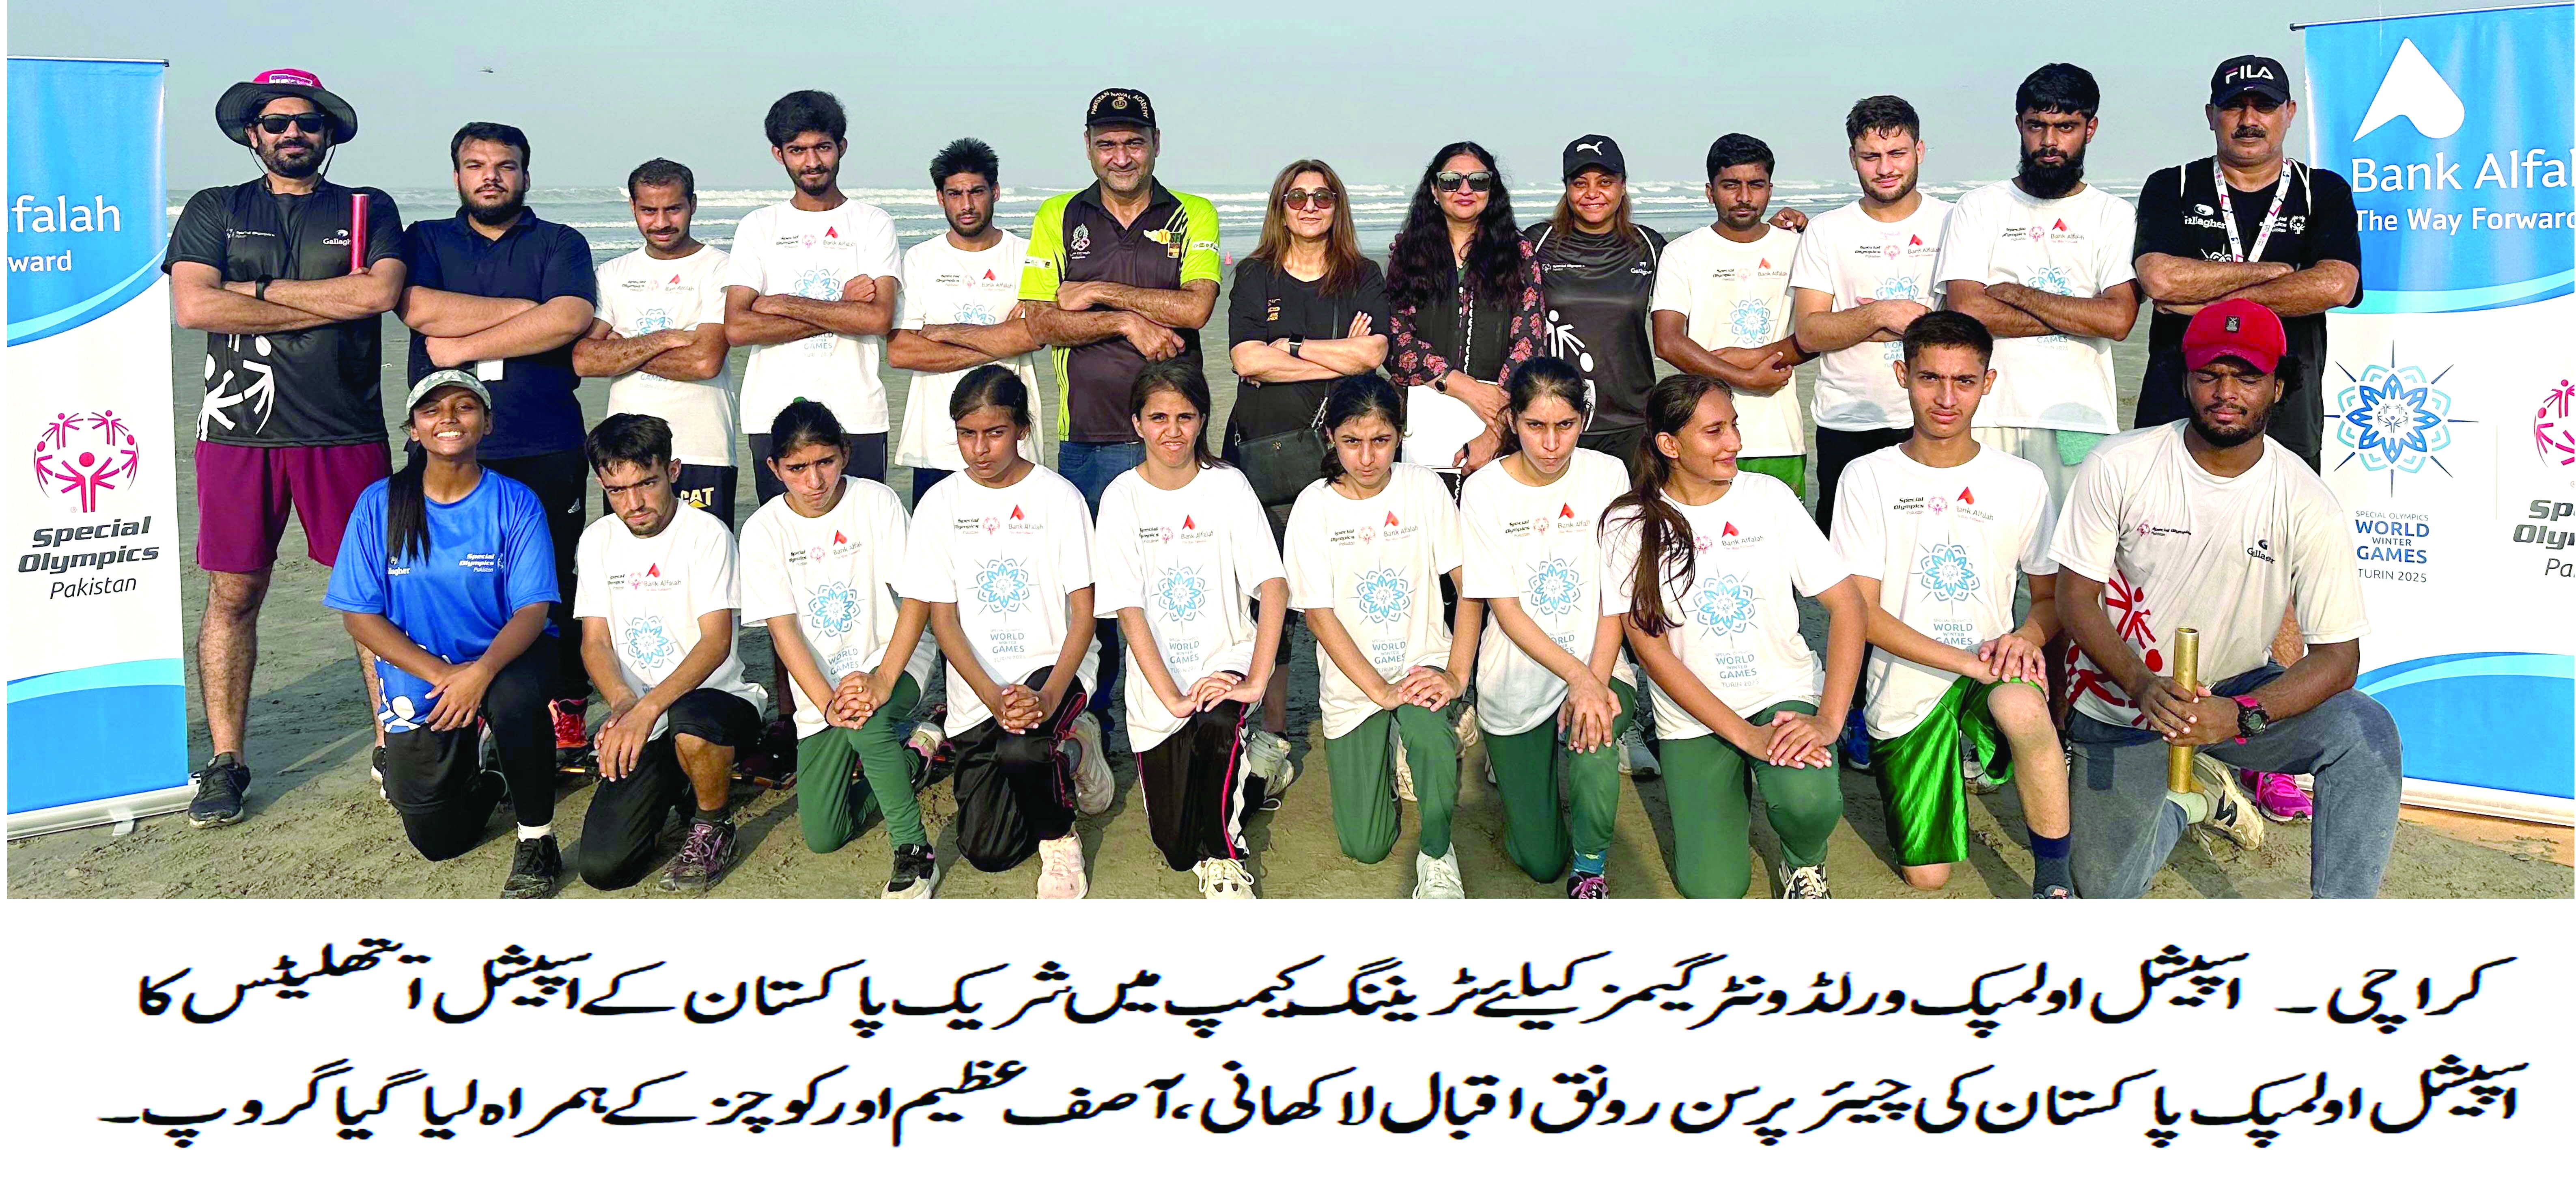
(2450, 434)
(95, 726)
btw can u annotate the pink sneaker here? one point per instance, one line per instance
(1060, 875)
(2280, 799)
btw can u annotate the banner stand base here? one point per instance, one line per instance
(2494, 804)
(122, 812)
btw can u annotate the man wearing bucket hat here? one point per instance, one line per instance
(288, 275)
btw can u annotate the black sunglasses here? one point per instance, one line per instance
(303, 122)
(1479, 181)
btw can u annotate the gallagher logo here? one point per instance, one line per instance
(2553, 430)
(2394, 418)
(81, 457)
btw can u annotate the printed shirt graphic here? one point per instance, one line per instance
(834, 574)
(779, 249)
(1540, 545)
(1376, 564)
(1074, 238)
(1737, 295)
(2077, 246)
(2175, 546)
(1008, 558)
(1597, 290)
(1191, 560)
(639, 295)
(1947, 546)
(945, 284)
(489, 556)
(1851, 256)
(316, 387)
(652, 591)
(1738, 630)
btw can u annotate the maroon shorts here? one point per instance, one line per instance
(243, 494)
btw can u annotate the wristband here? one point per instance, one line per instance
(260, 290)
(1297, 347)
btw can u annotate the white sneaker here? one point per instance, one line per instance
(1265, 759)
(1634, 757)
(1468, 733)
(1489, 770)
(1223, 880)
(2231, 813)
(927, 739)
(1437, 879)
(1804, 884)
(1092, 784)
(1061, 878)
(1403, 772)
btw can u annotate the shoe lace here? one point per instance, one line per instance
(699, 850)
(1806, 882)
(1589, 885)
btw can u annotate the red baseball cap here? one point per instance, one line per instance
(2237, 328)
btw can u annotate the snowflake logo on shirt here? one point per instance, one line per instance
(1900, 287)
(818, 284)
(655, 319)
(833, 610)
(1555, 587)
(1751, 320)
(1181, 593)
(649, 644)
(1947, 575)
(2053, 279)
(1723, 606)
(1004, 585)
(1384, 596)
(977, 314)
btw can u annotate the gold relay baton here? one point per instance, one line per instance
(2186, 674)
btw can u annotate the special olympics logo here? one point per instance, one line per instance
(1181, 594)
(2553, 430)
(1555, 587)
(2394, 419)
(1004, 585)
(79, 456)
(1948, 576)
(1383, 595)
(1723, 606)
(834, 609)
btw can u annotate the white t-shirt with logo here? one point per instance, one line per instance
(835, 575)
(1851, 256)
(639, 295)
(1376, 564)
(2174, 546)
(1191, 560)
(1738, 622)
(1737, 295)
(652, 591)
(1542, 546)
(1946, 545)
(1008, 558)
(943, 283)
(779, 249)
(2078, 246)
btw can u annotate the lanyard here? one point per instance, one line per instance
(2227, 211)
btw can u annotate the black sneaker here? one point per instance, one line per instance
(376, 770)
(916, 872)
(535, 869)
(703, 858)
(220, 785)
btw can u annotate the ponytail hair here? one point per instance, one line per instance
(993, 385)
(1184, 379)
(803, 423)
(1356, 397)
(1664, 549)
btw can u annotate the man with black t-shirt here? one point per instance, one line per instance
(292, 414)
(2278, 232)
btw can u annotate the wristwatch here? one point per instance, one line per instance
(1297, 346)
(2250, 719)
(260, 291)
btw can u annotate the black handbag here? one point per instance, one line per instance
(1279, 466)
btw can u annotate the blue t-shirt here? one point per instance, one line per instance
(489, 556)
(535, 260)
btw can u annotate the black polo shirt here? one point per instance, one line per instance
(312, 388)
(2178, 215)
(1074, 238)
(535, 411)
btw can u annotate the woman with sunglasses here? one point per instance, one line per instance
(1600, 270)
(1307, 309)
(1463, 290)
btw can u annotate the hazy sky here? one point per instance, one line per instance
(1242, 89)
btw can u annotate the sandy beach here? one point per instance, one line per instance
(318, 829)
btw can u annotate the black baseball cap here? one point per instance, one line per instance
(2248, 72)
(1119, 105)
(1593, 151)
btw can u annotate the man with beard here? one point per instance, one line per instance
(810, 289)
(2043, 261)
(292, 415)
(499, 291)
(2207, 523)
(960, 296)
(2248, 223)
(661, 333)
